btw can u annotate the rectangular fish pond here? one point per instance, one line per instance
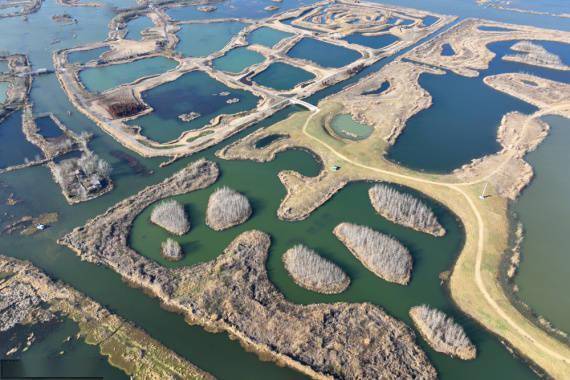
(323, 54)
(281, 76)
(198, 99)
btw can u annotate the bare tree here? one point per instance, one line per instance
(227, 208)
(171, 250)
(442, 332)
(404, 209)
(171, 216)
(311, 271)
(381, 254)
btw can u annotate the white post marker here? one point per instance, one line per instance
(482, 196)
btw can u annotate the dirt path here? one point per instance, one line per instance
(480, 228)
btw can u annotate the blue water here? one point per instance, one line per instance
(374, 42)
(84, 56)
(237, 60)
(447, 50)
(322, 53)
(377, 91)
(47, 127)
(14, 148)
(267, 36)
(3, 89)
(103, 78)
(194, 92)
(429, 20)
(454, 130)
(136, 26)
(199, 40)
(281, 76)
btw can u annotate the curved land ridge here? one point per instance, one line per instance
(233, 293)
(29, 296)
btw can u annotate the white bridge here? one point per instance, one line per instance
(305, 104)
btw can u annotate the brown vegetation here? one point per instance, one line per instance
(314, 272)
(442, 333)
(227, 208)
(171, 216)
(171, 250)
(404, 209)
(381, 254)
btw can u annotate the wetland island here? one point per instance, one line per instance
(336, 189)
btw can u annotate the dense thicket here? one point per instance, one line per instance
(227, 208)
(380, 253)
(442, 332)
(404, 209)
(311, 271)
(171, 250)
(171, 216)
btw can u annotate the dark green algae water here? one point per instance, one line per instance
(215, 352)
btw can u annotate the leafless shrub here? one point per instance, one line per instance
(442, 332)
(82, 176)
(314, 272)
(380, 253)
(404, 209)
(227, 208)
(534, 54)
(171, 216)
(171, 250)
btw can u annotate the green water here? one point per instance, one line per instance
(237, 60)
(196, 92)
(323, 54)
(99, 79)
(44, 359)
(3, 89)
(267, 36)
(348, 128)
(259, 182)
(543, 209)
(199, 40)
(281, 76)
(14, 148)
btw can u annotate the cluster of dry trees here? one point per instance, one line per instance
(404, 209)
(535, 54)
(311, 271)
(171, 216)
(80, 176)
(227, 208)
(171, 250)
(378, 252)
(442, 332)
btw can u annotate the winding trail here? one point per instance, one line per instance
(480, 230)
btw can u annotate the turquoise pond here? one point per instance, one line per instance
(136, 26)
(346, 127)
(84, 56)
(453, 131)
(3, 89)
(237, 60)
(14, 148)
(323, 54)
(281, 76)
(199, 40)
(374, 42)
(99, 79)
(267, 37)
(194, 92)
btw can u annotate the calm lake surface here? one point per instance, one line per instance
(259, 182)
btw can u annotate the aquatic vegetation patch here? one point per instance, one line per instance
(171, 216)
(227, 208)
